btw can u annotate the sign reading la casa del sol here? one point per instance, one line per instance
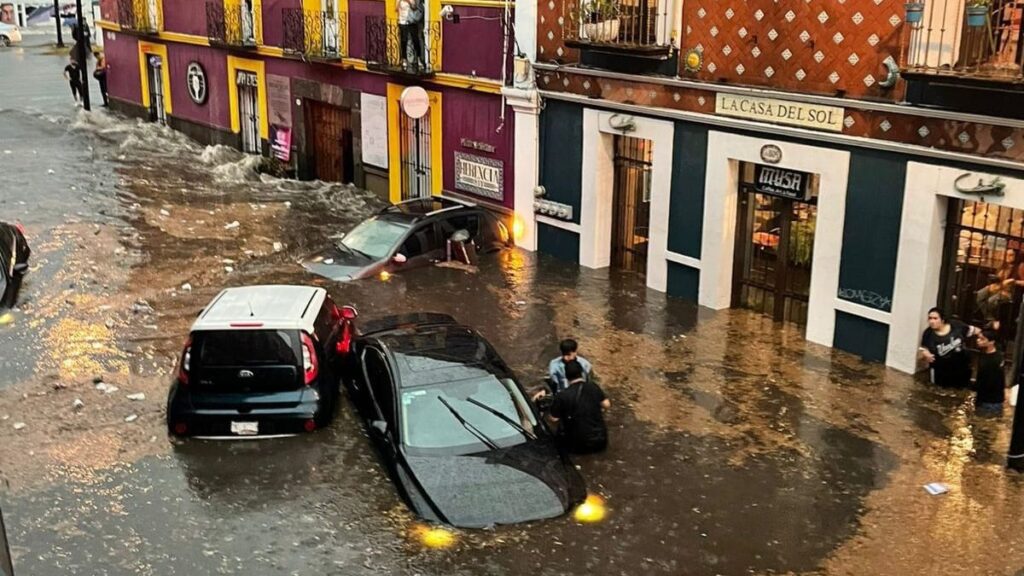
(800, 114)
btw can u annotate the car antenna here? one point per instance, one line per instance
(251, 313)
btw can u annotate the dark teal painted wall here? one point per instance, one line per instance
(561, 153)
(683, 281)
(559, 243)
(686, 203)
(871, 234)
(865, 338)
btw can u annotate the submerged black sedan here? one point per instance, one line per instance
(460, 438)
(14, 254)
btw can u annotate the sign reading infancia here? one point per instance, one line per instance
(481, 176)
(777, 111)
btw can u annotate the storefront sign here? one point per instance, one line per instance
(415, 102)
(780, 111)
(475, 145)
(281, 142)
(373, 113)
(279, 100)
(771, 153)
(243, 78)
(781, 182)
(481, 176)
(196, 78)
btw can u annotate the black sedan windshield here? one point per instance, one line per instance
(453, 418)
(375, 238)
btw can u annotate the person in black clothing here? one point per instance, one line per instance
(579, 410)
(74, 77)
(944, 347)
(991, 381)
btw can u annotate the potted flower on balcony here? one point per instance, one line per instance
(977, 13)
(914, 11)
(600, 20)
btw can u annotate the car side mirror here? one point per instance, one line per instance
(460, 236)
(399, 258)
(21, 267)
(380, 426)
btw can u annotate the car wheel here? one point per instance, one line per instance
(5, 41)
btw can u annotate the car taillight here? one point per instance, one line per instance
(184, 365)
(345, 340)
(309, 362)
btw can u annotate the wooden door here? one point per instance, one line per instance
(331, 136)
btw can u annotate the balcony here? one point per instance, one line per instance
(315, 34)
(231, 23)
(622, 35)
(402, 50)
(138, 16)
(967, 58)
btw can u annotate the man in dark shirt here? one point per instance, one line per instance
(73, 74)
(579, 409)
(991, 382)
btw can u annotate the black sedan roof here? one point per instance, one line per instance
(435, 353)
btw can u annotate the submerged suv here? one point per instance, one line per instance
(261, 360)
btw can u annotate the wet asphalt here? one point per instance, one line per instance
(736, 446)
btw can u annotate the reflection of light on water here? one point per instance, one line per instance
(81, 346)
(435, 537)
(592, 509)
(517, 228)
(6, 318)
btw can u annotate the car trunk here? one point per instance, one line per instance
(247, 361)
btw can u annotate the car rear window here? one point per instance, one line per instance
(249, 348)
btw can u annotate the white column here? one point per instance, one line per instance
(526, 107)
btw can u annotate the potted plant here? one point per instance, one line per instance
(977, 12)
(600, 20)
(914, 12)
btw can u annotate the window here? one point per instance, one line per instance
(468, 222)
(380, 384)
(422, 242)
(374, 237)
(249, 348)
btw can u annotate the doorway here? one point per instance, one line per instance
(982, 263)
(331, 136)
(416, 168)
(777, 214)
(631, 218)
(249, 111)
(154, 73)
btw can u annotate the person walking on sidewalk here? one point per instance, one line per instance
(73, 74)
(944, 347)
(100, 74)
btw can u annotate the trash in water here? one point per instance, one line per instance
(50, 171)
(278, 246)
(19, 425)
(229, 269)
(232, 225)
(328, 260)
(6, 318)
(936, 488)
(139, 396)
(77, 404)
(131, 418)
(164, 212)
(186, 287)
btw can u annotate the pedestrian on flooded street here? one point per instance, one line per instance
(991, 381)
(100, 74)
(944, 347)
(73, 74)
(556, 368)
(579, 411)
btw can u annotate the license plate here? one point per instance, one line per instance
(245, 428)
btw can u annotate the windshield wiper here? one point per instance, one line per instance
(504, 417)
(469, 427)
(343, 246)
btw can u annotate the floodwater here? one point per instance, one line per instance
(736, 446)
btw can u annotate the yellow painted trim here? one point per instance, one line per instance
(272, 51)
(108, 25)
(165, 72)
(258, 68)
(160, 15)
(395, 143)
(257, 17)
(480, 3)
(185, 38)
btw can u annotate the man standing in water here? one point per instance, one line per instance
(73, 74)
(556, 368)
(991, 381)
(944, 347)
(579, 409)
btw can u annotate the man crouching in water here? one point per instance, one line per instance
(579, 410)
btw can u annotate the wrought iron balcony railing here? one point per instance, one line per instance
(952, 38)
(405, 49)
(315, 34)
(617, 25)
(138, 15)
(231, 22)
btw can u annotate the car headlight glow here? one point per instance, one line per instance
(591, 510)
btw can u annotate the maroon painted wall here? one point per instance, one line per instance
(358, 10)
(185, 16)
(216, 112)
(474, 44)
(122, 52)
(326, 74)
(273, 20)
(476, 116)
